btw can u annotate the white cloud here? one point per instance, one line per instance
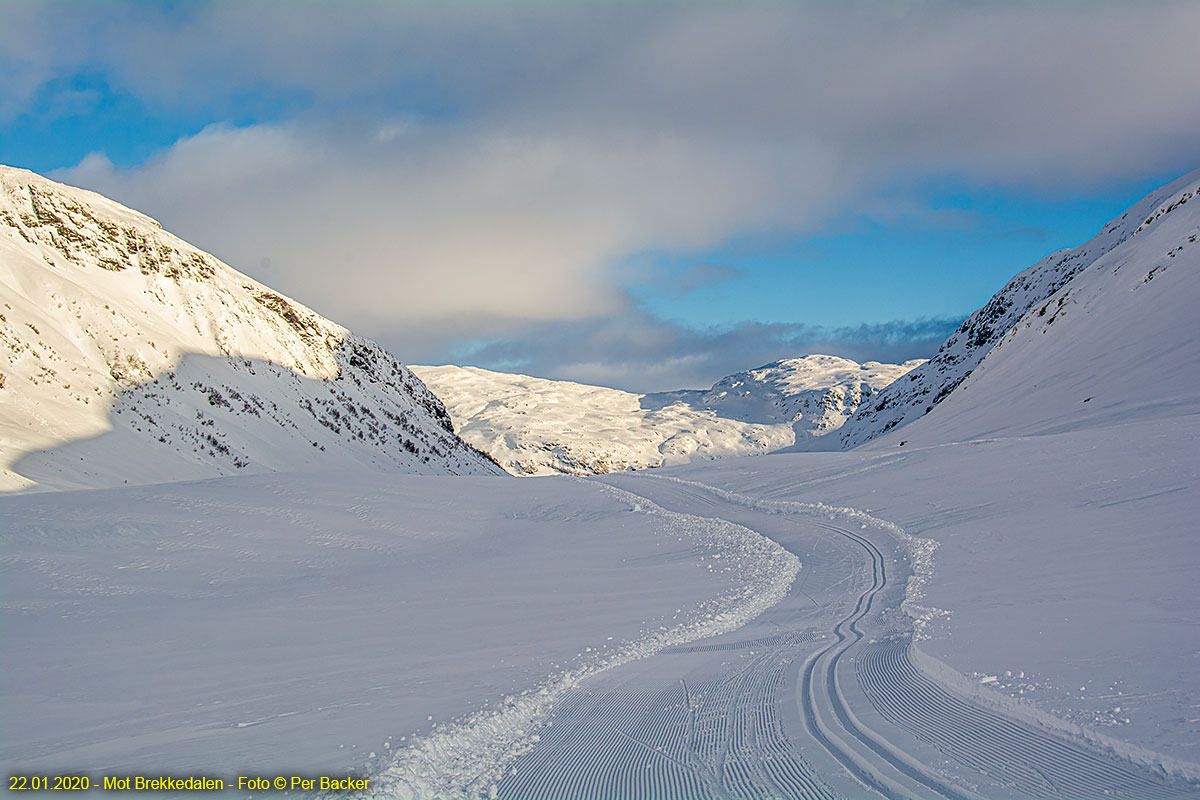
(459, 230)
(467, 169)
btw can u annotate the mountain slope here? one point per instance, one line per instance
(535, 426)
(127, 355)
(1126, 276)
(815, 394)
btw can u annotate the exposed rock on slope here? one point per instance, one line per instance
(814, 394)
(534, 426)
(1133, 276)
(127, 355)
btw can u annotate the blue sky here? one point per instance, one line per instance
(871, 271)
(643, 195)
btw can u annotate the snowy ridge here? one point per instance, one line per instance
(814, 394)
(1038, 290)
(1116, 342)
(535, 426)
(469, 758)
(127, 355)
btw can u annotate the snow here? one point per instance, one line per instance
(997, 597)
(129, 356)
(1058, 481)
(1154, 239)
(535, 426)
(265, 623)
(1068, 557)
(1117, 342)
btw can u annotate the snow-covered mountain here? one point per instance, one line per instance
(814, 394)
(1101, 331)
(129, 356)
(535, 426)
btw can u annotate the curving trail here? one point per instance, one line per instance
(816, 698)
(820, 689)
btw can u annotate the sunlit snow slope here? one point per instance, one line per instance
(129, 356)
(1100, 333)
(534, 426)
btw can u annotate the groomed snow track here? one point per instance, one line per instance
(718, 738)
(816, 698)
(820, 691)
(1032, 762)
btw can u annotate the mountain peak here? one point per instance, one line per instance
(117, 336)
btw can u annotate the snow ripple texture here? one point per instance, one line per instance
(469, 758)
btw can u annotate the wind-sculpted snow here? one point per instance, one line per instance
(534, 426)
(1149, 250)
(111, 327)
(469, 758)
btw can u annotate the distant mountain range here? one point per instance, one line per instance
(1084, 336)
(535, 426)
(129, 356)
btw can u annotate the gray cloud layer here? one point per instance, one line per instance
(639, 352)
(481, 170)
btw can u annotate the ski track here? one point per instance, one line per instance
(1035, 763)
(468, 758)
(723, 732)
(719, 738)
(819, 687)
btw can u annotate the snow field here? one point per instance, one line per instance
(817, 697)
(1066, 558)
(470, 758)
(276, 623)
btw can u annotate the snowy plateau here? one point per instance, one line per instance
(990, 593)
